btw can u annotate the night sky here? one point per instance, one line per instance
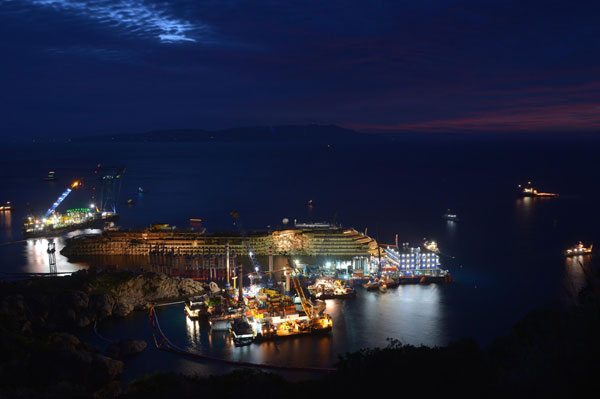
(74, 67)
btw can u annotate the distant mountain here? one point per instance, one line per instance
(313, 132)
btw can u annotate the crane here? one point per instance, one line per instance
(309, 308)
(62, 197)
(236, 216)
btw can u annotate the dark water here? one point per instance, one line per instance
(507, 251)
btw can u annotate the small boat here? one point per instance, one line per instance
(450, 216)
(382, 287)
(330, 289)
(391, 283)
(242, 332)
(195, 307)
(141, 190)
(431, 246)
(371, 285)
(7, 207)
(310, 203)
(579, 249)
(51, 176)
(130, 201)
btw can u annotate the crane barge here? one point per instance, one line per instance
(53, 223)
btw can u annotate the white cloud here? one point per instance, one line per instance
(137, 16)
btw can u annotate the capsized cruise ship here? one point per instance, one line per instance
(301, 240)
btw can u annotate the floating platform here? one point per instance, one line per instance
(96, 223)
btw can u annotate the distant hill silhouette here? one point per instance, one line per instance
(313, 132)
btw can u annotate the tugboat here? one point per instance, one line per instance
(51, 176)
(431, 246)
(328, 289)
(7, 207)
(371, 285)
(241, 331)
(451, 217)
(391, 282)
(530, 191)
(579, 249)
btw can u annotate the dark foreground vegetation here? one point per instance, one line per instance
(552, 352)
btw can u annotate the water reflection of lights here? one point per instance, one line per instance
(193, 331)
(6, 222)
(451, 226)
(37, 257)
(575, 274)
(525, 204)
(418, 317)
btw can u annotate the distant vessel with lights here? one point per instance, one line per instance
(6, 207)
(450, 216)
(73, 219)
(51, 176)
(532, 192)
(579, 249)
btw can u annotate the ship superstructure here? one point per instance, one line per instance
(579, 249)
(530, 191)
(410, 260)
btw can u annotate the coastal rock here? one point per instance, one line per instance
(81, 359)
(125, 348)
(4, 308)
(70, 315)
(78, 299)
(82, 321)
(17, 303)
(105, 368)
(122, 309)
(101, 304)
(145, 288)
(63, 341)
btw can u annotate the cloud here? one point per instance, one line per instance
(135, 16)
(566, 117)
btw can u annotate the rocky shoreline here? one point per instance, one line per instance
(40, 318)
(550, 352)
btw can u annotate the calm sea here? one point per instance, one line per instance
(505, 254)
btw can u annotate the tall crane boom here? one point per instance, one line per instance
(62, 198)
(307, 305)
(236, 216)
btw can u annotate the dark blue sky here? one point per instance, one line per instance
(89, 67)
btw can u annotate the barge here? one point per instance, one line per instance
(60, 224)
(242, 332)
(54, 223)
